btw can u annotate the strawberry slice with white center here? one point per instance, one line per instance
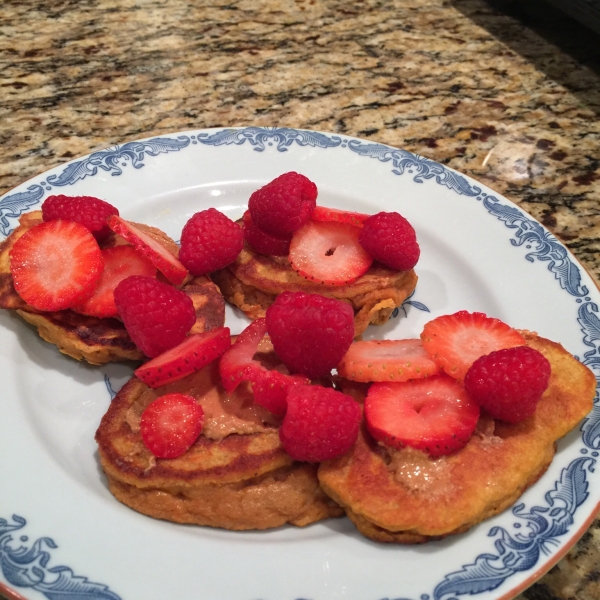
(56, 265)
(435, 415)
(156, 253)
(387, 360)
(171, 424)
(120, 262)
(270, 387)
(194, 353)
(329, 253)
(456, 341)
(322, 213)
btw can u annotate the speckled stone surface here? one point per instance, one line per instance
(457, 81)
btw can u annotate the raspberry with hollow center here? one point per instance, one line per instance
(389, 238)
(283, 205)
(210, 241)
(157, 316)
(310, 333)
(87, 210)
(509, 383)
(320, 423)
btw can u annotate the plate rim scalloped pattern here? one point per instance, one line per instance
(544, 525)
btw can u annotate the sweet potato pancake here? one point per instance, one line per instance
(95, 340)
(406, 497)
(235, 476)
(253, 282)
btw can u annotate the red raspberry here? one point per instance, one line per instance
(210, 241)
(320, 423)
(87, 210)
(283, 205)
(265, 243)
(310, 333)
(390, 239)
(509, 383)
(156, 315)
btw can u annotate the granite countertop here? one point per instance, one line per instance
(512, 100)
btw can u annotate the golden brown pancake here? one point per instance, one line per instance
(99, 341)
(253, 282)
(404, 496)
(235, 476)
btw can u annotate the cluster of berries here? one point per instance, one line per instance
(324, 245)
(425, 393)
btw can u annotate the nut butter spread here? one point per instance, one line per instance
(420, 473)
(224, 414)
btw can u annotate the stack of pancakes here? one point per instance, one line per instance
(253, 282)
(235, 476)
(406, 497)
(95, 340)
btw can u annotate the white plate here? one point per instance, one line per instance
(62, 530)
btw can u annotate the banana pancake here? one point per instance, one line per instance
(96, 340)
(235, 476)
(404, 496)
(254, 280)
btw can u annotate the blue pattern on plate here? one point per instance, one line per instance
(544, 525)
(27, 567)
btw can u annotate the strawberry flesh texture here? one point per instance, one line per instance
(456, 341)
(237, 363)
(171, 424)
(194, 353)
(434, 415)
(270, 387)
(387, 360)
(56, 265)
(329, 253)
(155, 252)
(322, 213)
(120, 262)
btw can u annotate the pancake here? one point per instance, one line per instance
(235, 476)
(99, 341)
(403, 496)
(253, 282)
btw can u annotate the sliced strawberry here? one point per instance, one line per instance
(171, 424)
(321, 213)
(194, 353)
(119, 263)
(435, 415)
(329, 253)
(456, 341)
(387, 360)
(156, 253)
(56, 265)
(237, 363)
(270, 387)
